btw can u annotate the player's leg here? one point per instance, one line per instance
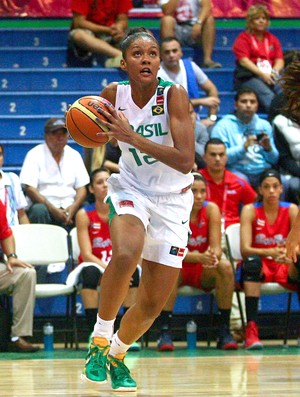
(251, 274)
(157, 283)
(164, 321)
(90, 277)
(222, 279)
(127, 234)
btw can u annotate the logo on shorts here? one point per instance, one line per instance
(177, 251)
(126, 203)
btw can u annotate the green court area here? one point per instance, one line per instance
(146, 22)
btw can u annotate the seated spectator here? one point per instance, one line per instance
(247, 137)
(224, 188)
(230, 193)
(203, 267)
(287, 140)
(18, 279)
(96, 247)
(192, 23)
(97, 29)
(11, 195)
(264, 228)
(190, 76)
(54, 178)
(259, 57)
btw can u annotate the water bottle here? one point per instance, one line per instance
(191, 334)
(48, 337)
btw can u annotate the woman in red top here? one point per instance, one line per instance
(259, 57)
(203, 267)
(264, 229)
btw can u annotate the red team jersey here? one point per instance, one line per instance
(99, 235)
(198, 240)
(265, 235)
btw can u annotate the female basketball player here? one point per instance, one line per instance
(264, 229)
(150, 203)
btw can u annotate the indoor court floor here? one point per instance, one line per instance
(272, 372)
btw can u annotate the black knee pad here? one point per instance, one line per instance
(252, 267)
(90, 276)
(135, 279)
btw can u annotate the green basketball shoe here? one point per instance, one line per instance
(120, 375)
(95, 370)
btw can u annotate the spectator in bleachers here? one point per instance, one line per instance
(203, 267)
(264, 228)
(17, 278)
(192, 23)
(11, 195)
(92, 222)
(190, 76)
(230, 193)
(54, 178)
(259, 57)
(97, 29)
(247, 137)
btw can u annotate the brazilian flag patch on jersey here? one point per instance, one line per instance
(157, 110)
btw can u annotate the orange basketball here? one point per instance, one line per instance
(81, 121)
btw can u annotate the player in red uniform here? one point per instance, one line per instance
(202, 267)
(264, 228)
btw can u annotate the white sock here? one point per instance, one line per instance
(104, 328)
(117, 346)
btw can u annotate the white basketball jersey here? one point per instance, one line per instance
(138, 169)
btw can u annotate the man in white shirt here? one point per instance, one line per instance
(190, 76)
(54, 178)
